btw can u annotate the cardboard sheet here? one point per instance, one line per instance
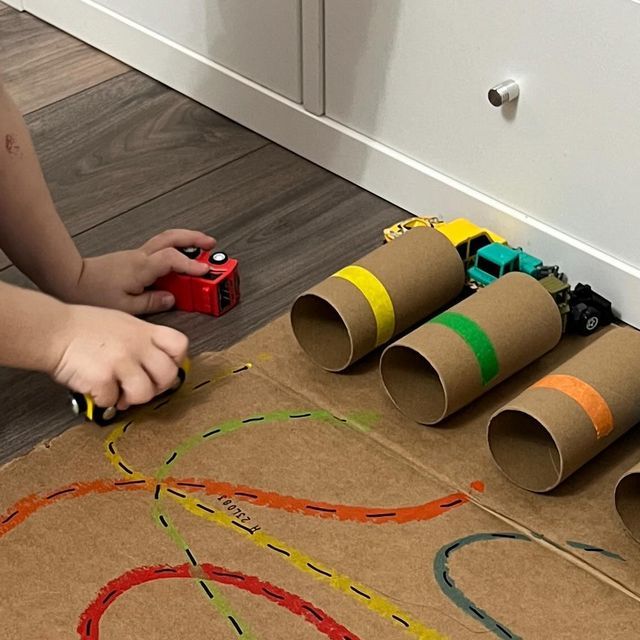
(271, 499)
(627, 501)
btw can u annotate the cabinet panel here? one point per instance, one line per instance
(414, 74)
(259, 39)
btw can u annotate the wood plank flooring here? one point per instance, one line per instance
(128, 158)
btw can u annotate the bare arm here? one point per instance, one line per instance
(31, 233)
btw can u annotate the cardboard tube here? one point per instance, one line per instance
(627, 501)
(457, 356)
(566, 418)
(362, 306)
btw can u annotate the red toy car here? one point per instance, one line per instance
(214, 293)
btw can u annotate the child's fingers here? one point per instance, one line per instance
(172, 342)
(165, 261)
(161, 369)
(150, 302)
(106, 393)
(136, 387)
(178, 238)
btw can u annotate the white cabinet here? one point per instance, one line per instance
(414, 75)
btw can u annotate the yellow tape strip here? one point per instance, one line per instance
(377, 297)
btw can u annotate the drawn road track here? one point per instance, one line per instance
(89, 624)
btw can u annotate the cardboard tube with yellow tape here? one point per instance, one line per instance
(465, 351)
(567, 417)
(366, 304)
(627, 501)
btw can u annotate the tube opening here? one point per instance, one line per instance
(321, 332)
(628, 503)
(524, 450)
(413, 384)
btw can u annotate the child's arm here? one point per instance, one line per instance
(37, 242)
(110, 355)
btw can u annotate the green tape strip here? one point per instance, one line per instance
(477, 340)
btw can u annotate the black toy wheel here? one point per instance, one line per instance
(104, 416)
(589, 321)
(190, 252)
(218, 257)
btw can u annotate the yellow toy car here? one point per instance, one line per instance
(396, 230)
(83, 404)
(464, 235)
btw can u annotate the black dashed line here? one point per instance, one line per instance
(124, 467)
(192, 559)
(314, 508)
(340, 419)
(163, 522)
(109, 596)
(451, 504)
(156, 493)
(506, 633)
(400, 620)
(273, 595)
(382, 515)
(204, 507)
(245, 368)
(59, 493)
(236, 625)
(246, 495)
(211, 433)
(123, 483)
(324, 573)
(450, 549)
(191, 484)
(10, 517)
(161, 404)
(176, 493)
(165, 570)
(87, 629)
(198, 386)
(111, 449)
(475, 612)
(206, 589)
(171, 458)
(126, 426)
(446, 579)
(596, 549)
(300, 415)
(282, 551)
(241, 526)
(360, 593)
(504, 535)
(256, 419)
(313, 612)
(228, 575)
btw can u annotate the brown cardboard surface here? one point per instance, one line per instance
(542, 436)
(353, 492)
(433, 371)
(627, 501)
(335, 324)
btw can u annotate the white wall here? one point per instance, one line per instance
(414, 75)
(260, 39)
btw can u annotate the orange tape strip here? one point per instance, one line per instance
(594, 405)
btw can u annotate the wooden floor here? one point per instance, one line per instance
(126, 157)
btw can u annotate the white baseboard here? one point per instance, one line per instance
(357, 158)
(16, 4)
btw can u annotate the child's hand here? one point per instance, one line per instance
(116, 358)
(118, 280)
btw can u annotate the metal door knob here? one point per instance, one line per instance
(506, 91)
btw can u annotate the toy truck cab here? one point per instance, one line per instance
(468, 238)
(495, 260)
(396, 230)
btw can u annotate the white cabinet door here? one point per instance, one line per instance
(259, 39)
(414, 74)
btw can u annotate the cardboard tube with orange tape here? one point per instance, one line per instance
(627, 501)
(366, 304)
(569, 416)
(465, 351)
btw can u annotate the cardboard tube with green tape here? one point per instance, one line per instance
(366, 304)
(457, 356)
(627, 501)
(566, 418)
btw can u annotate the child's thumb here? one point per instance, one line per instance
(153, 302)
